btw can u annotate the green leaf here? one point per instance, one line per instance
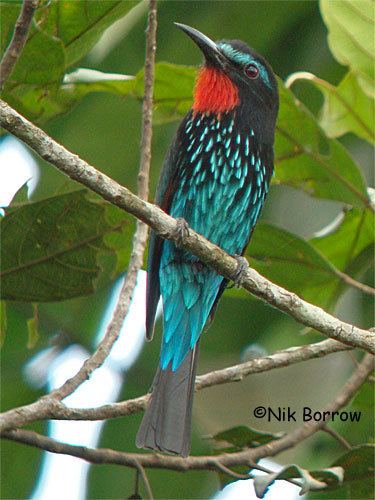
(50, 248)
(173, 88)
(306, 159)
(290, 261)
(120, 241)
(346, 107)
(358, 463)
(364, 398)
(79, 25)
(350, 26)
(246, 437)
(63, 32)
(42, 60)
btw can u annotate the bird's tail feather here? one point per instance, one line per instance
(166, 425)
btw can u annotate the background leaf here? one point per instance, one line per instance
(346, 107)
(246, 437)
(63, 32)
(308, 160)
(351, 37)
(79, 25)
(358, 463)
(290, 262)
(50, 248)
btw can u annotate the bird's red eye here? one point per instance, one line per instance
(251, 71)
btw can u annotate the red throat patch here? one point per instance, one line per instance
(214, 92)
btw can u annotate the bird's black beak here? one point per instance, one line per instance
(209, 48)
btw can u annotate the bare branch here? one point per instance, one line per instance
(18, 40)
(214, 462)
(165, 226)
(46, 408)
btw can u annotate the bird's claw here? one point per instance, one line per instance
(240, 273)
(181, 231)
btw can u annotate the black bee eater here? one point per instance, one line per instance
(215, 179)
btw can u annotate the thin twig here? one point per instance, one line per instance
(146, 482)
(222, 468)
(164, 225)
(157, 461)
(45, 408)
(354, 283)
(18, 40)
(337, 436)
(144, 170)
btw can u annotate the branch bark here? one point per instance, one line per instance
(212, 462)
(18, 40)
(50, 408)
(78, 170)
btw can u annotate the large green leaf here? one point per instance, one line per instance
(291, 262)
(42, 104)
(358, 463)
(172, 92)
(50, 248)
(346, 107)
(63, 32)
(351, 37)
(308, 160)
(43, 58)
(79, 25)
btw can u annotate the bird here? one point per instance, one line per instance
(214, 179)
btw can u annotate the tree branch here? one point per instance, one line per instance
(154, 460)
(47, 408)
(164, 225)
(18, 40)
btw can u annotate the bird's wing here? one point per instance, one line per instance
(164, 197)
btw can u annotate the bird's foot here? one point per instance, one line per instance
(240, 273)
(181, 231)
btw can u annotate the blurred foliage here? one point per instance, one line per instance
(62, 33)
(74, 245)
(351, 28)
(346, 107)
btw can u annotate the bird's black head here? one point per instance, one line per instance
(233, 75)
(249, 71)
